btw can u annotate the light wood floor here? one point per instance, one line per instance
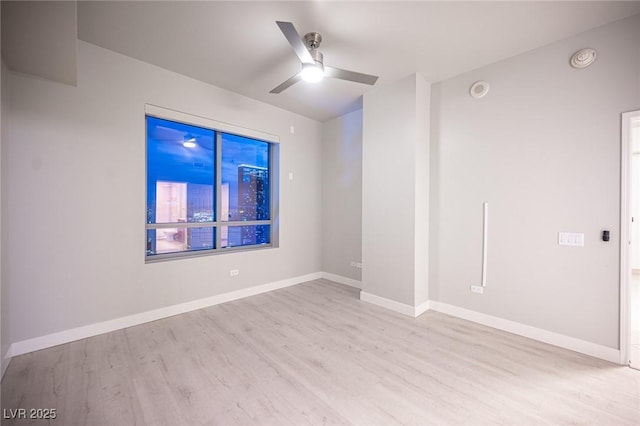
(315, 354)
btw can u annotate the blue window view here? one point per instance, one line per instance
(245, 235)
(175, 240)
(180, 185)
(183, 192)
(245, 190)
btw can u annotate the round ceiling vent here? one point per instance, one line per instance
(583, 58)
(479, 89)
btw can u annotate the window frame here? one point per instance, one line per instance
(220, 128)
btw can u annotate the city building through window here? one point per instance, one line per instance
(208, 190)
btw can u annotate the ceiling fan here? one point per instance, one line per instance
(313, 68)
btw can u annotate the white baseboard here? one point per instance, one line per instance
(556, 339)
(422, 308)
(66, 336)
(342, 280)
(402, 308)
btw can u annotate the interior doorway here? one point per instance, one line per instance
(630, 241)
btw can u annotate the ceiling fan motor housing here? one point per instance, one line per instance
(312, 40)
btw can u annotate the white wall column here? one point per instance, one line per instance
(395, 195)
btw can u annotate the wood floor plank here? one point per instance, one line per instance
(315, 354)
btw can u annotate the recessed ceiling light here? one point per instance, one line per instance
(583, 58)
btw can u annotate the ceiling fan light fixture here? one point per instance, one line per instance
(312, 73)
(189, 141)
(312, 61)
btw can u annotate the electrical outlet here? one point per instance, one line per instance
(234, 272)
(477, 289)
(571, 239)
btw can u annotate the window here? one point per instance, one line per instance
(209, 190)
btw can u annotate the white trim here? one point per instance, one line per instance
(66, 336)
(625, 232)
(556, 339)
(421, 308)
(342, 280)
(197, 120)
(392, 305)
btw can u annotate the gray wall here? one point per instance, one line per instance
(395, 190)
(543, 148)
(342, 195)
(40, 38)
(75, 186)
(4, 289)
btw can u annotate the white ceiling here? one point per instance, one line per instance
(238, 46)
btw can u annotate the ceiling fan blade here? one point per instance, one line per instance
(295, 41)
(293, 80)
(350, 75)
